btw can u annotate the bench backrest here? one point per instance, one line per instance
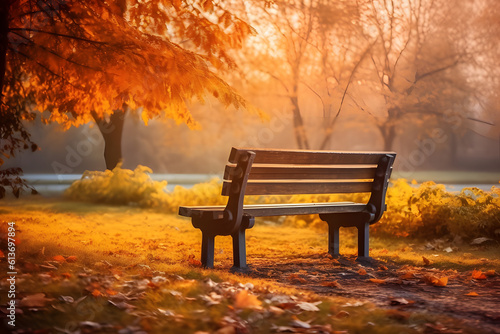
(288, 172)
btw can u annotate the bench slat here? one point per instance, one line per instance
(308, 157)
(298, 187)
(266, 210)
(267, 172)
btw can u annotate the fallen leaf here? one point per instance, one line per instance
(59, 258)
(111, 292)
(376, 280)
(209, 300)
(167, 313)
(399, 301)
(90, 326)
(300, 324)
(397, 314)
(443, 281)
(276, 310)
(342, 315)
(96, 293)
(439, 328)
(194, 262)
(66, 275)
(355, 304)
(478, 274)
(67, 299)
(283, 329)
(408, 275)
(36, 300)
(426, 261)
(331, 284)
(435, 281)
(479, 241)
(384, 251)
(307, 307)
(362, 271)
(71, 259)
(382, 267)
(490, 273)
(226, 330)
(245, 300)
(2, 255)
(122, 305)
(472, 294)
(296, 277)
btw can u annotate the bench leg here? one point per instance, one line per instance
(363, 240)
(333, 239)
(239, 250)
(207, 250)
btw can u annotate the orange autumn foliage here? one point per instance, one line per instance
(59, 258)
(71, 259)
(243, 300)
(331, 284)
(377, 280)
(96, 293)
(71, 58)
(472, 294)
(478, 274)
(435, 281)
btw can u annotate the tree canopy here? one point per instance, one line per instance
(72, 60)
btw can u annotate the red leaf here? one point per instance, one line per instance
(96, 293)
(71, 259)
(332, 284)
(59, 258)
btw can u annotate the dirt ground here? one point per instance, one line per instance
(473, 302)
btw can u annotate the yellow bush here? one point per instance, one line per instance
(425, 210)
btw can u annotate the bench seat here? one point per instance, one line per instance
(266, 210)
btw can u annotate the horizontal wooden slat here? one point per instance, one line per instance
(294, 172)
(299, 157)
(287, 188)
(264, 210)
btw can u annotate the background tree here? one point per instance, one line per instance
(417, 62)
(78, 61)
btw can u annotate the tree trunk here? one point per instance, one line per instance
(298, 125)
(112, 131)
(389, 134)
(4, 42)
(328, 132)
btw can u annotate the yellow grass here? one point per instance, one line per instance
(120, 240)
(126, 236)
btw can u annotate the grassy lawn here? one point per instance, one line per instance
(98, 268)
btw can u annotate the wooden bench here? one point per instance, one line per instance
(290, 172)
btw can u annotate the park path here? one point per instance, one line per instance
(473, 302)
